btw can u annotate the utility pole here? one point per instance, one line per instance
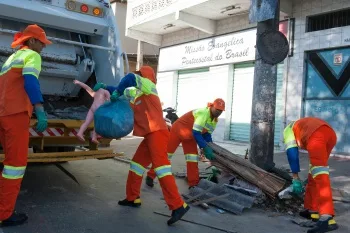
(139, 54)
(264, 101)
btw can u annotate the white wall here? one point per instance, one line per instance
(223, 26)
(129, 45)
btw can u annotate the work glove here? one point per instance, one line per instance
(208, 153)
(99, 86)
(42, 119)
(297, 186)
(115, 95)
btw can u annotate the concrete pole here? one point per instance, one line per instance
(263, 106)
(139, 54)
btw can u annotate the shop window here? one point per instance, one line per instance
(328, 20)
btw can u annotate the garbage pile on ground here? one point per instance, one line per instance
(241, 185)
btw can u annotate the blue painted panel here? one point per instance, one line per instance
(336, 113)
(328, 57)
(315, 85)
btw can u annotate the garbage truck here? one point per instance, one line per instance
(86, 46)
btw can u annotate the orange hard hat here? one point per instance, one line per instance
(32, 31)
(219, 104)
(148, 72)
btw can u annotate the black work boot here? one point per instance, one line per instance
(324, 226)
(14, 220)
(177, 214)
(149, 181)
(309, 215)
(134, 203)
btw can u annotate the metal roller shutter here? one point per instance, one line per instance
(242, 103)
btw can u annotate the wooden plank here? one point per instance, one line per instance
(67, 154)
(67, 159)
(267, 182)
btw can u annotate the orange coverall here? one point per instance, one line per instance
(149, 123)
(181, 132)
(318, 138)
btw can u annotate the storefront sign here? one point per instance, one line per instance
(231, 48)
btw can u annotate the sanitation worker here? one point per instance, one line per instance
(140, 88)
(192, 129)
(318, 138)
(19, 95)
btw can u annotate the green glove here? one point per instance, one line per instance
(99, 86)
(115, 95)
(208, 153)
(297, 186)
(41, 116)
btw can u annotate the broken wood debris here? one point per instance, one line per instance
(267, 182)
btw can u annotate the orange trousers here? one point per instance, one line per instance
(14, 138)
(153, 150)
(318, 196)
(191, 153)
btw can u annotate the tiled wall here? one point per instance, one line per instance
(310, 41)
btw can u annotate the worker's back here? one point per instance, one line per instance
(305, 127)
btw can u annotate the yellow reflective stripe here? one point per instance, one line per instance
(291, 144)
(32, 60)
(163, 171)
(202, 119)
(132, 94)
(138, 169)
(31, 70)
(197, 127)
(145, 85)
(17, 63)
(11, 172)
(192, 158)
(319, 170)
(210, 127)
(289, 137)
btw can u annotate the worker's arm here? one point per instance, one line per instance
(207, 137)
(30, 72)
(199, 138)
(146, 86)
(200, 118)
(293, 159)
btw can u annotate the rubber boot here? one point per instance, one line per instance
(309, 215)
(324, 226)
(149, 181)
(134, 203)
(14, 220)
(177, 214)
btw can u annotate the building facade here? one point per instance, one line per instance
(129, 45)
(208, 51)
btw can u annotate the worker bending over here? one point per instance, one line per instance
(19, 91)
(192, 129)
(318, 138)
(140, 88)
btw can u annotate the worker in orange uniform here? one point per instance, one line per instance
(318, 138)
(192, 129)
(19, 92)
(140, 88)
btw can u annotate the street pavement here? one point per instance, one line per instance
(57, 204)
